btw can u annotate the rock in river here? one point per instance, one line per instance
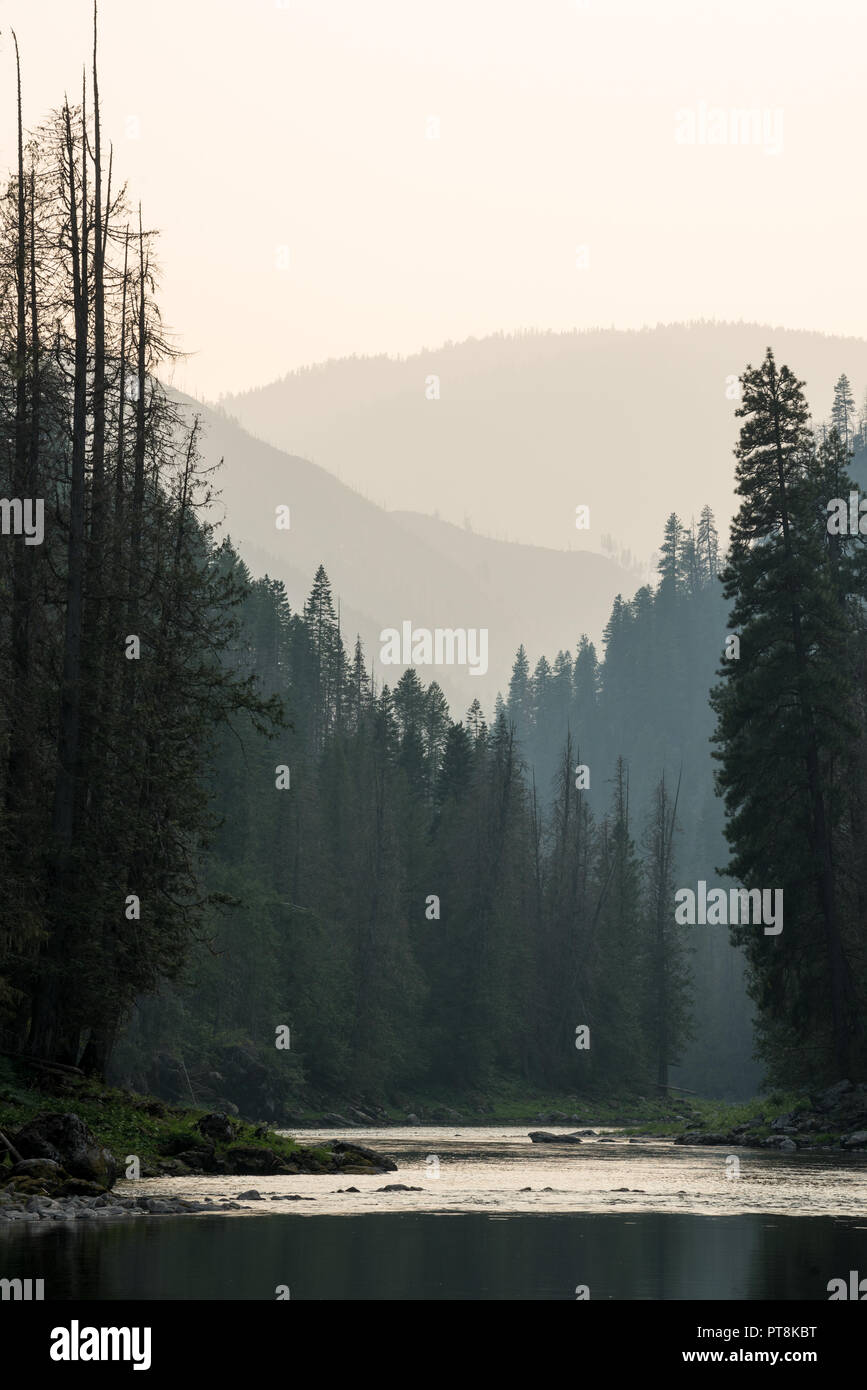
(347, 1153)
(541, 1136)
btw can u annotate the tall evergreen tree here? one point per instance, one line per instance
(707, 544)
(843, 411)
(784, 725)
(671, 557)
(668, 992)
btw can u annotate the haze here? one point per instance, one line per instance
(304, 125)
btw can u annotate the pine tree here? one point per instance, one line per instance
(707, 545)
(783, 730)
(668, 995)
(690, 564)
(585, 688)
(671, 558)
(123, 737)
(618, 957)
(520, 698)
(476, 725)
(843, 412)
(568, 922)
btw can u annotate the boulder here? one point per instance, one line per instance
(696, 1137)
(78, 1187)
(851, 1113)
(172, 1168)
(197, 1159)
(245, 1159)
(351, 1152)
(45, 1204)
(376, 1113)
(66, 1140)
(858, 1140)
(541, 1136)
(174, 1145)
(812, 1124)
(43, 1169)
(217, 1126)
(780, 1142)
(833, 1095)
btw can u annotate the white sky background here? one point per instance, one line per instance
(304, 125)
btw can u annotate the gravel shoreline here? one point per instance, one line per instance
(29, 1210)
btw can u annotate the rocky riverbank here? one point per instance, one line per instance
(64, 1140)
(15, 1209)
(835, 1119)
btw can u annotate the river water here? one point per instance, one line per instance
(628, 1219)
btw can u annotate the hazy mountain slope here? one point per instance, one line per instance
(387, 567)
(548, 589)
(633, 424)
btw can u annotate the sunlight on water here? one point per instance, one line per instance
(487, 1169)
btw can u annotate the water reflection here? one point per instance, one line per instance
(418, 1256)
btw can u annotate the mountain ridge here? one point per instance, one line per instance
(387, 567)
(528, 426)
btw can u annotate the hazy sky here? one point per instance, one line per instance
(606, 124)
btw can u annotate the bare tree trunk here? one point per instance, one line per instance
(140, 444)
(93, 639)
(49, 1037)
(19, 756)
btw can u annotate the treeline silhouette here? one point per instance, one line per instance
(407, 902)
(113, 622)
(213, 825)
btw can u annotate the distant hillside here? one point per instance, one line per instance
(389, 567)
(527, 427)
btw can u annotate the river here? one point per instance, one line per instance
(497, 1217)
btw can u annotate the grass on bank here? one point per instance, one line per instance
(505, 1103)
(150, 1128)
(124, 1122)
